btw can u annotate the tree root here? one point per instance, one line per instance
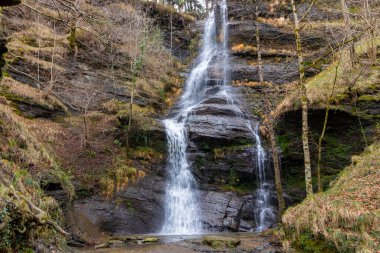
(34, 212)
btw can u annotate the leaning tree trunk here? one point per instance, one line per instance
(276, 158)
(276, 165)
(304, 101)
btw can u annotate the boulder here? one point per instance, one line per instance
(218, 129)
(138, 210)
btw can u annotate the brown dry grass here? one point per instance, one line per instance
(23, 147)
(16, 137)
(169, 10)
(29, 94)
(348, 214)
(242, 48)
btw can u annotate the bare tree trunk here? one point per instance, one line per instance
(320, 188)
(130, 117)
(276, 158)
(51, 82)
(371, 44)
(85, 126)
(276, 165)
(38, 54)
(85, 115)
(347, 29)
(304, 101)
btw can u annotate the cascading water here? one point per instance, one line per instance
(182, 214)
(264, 215)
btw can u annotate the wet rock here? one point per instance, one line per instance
(217, 109)
(214, 82)
(139, 209)
(133, 239)
(218, 242)
(222, 210)
(241, 32)
(76, 242)
(278, 73)
(218, 21)
(218, 129)
(217, 122)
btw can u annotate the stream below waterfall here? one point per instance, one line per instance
(224, 242)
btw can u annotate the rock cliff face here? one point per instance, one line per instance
(221, 149)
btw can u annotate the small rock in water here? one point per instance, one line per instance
(150, 239)
(218, 242)
(115, 242)
(130, 239)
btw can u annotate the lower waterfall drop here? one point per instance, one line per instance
(264, 215)
(182, 216)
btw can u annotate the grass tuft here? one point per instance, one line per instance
(347, 215)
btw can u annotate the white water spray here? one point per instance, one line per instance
(182, 214)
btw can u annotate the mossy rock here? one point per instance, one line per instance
(150, 240)
(221, 152)
(115, 242)
(369, 98)
(220, 242)
(306, 243)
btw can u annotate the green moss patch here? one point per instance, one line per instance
(218, 242)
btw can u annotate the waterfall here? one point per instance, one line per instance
(263, 212)
(182, 214)
(264, 215)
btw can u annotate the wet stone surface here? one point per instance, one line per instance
(223, 242)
